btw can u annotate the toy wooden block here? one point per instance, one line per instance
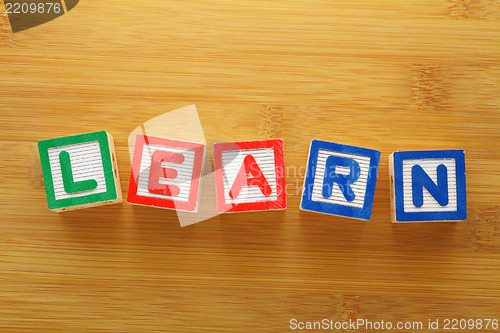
(166, 173)
(80, 171)
(428, 186)
(249, 176)
(340, 180)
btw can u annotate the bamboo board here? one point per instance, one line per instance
(387, 75)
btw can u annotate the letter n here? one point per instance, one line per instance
(420, 179)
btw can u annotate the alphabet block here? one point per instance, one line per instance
(428, 186)
(166, 173)
(249, 176)
(80, 171)
(340, 180)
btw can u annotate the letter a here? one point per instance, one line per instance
(248, 167)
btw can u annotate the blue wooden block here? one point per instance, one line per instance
(340, 180)
(428, 186)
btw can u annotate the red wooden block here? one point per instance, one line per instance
(249, 176)
(166, 173)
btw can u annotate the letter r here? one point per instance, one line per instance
(344, 181)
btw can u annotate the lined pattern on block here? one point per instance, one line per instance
(86, 163)
(430, 167)
(232, 162)
(359, 187)
(184, 173)
(341, 170)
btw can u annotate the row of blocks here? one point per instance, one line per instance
(81, 171)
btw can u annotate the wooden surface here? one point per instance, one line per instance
(390, 75)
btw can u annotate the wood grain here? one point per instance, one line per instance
(390, 75)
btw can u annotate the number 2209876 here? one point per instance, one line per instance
(470, 324)
(33, 8)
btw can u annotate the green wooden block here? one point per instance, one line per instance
(80, 171)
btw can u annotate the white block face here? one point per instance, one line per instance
(232, 162)
(184, 172)
(430, 167)
(359, 187)
(86, 163)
